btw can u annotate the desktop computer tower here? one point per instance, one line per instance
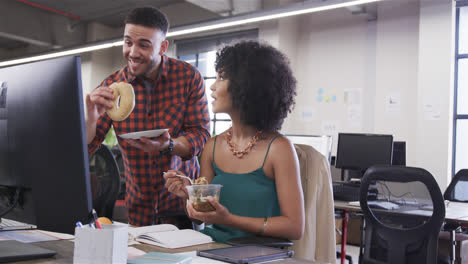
(399, 153)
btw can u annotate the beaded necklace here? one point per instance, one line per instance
(232, 146)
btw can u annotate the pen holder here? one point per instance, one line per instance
(107, 245)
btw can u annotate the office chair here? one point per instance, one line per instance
(457, 191)
(393, 233)
(105, 181)
(120, 164)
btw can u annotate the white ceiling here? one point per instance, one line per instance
(30, 27)
(38, 26)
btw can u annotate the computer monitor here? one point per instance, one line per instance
(360, 151)
(322, 144)
(43, 150)
(399, 153)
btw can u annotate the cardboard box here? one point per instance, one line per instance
(354, 231)
(338, 223)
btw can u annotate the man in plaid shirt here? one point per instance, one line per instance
(168, 94)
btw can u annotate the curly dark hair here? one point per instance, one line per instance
(261, 83)
(148, 17)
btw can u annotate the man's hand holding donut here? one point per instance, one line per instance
(106, 99)
(98, 101)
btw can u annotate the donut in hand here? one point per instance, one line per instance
(122, 108)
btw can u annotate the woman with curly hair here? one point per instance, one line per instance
(257, 166)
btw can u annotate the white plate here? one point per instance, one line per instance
(147, 133)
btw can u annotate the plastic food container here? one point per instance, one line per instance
(198, 195)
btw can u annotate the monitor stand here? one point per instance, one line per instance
(351, 175)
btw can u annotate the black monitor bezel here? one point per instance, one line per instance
(53, 176)
(339, 161)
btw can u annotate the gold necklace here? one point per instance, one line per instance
(232, 146)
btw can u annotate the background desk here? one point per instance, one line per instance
(454, 211)
(64, 249)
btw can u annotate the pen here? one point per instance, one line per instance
(98, 225)
(79, 224)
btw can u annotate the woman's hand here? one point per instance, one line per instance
(176, 185)
(219, 216)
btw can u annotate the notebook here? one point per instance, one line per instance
(12, 250)
(168, 236)
(246, 254)
(161, 258)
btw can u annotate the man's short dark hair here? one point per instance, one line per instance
(148, 17)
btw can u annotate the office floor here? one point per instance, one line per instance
(351, 250)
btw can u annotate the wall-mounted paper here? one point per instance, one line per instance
(393, 103)
(431, 111)
(327, 97)
(308, 114)
(330, 127)
(354, 115)
(352, 96)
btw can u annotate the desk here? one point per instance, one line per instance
(454, 211)
(64, 249)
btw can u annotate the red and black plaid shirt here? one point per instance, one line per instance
(176, 101)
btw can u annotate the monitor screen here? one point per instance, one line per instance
(43, 150)
(361, 151)
(322, 144)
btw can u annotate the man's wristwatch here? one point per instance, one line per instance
(169, 149)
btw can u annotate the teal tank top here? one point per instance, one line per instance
(250, 194)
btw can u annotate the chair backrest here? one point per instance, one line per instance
(120, 164)
(404, 210)
(105, 181)
(318, 242)
(458, 187)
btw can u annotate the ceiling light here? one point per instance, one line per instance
(281, 12)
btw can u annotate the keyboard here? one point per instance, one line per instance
(346, 191)
(9, 225)
(383, 205)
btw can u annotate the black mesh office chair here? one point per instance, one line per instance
(105, 181)
(457, 191)
(120, 164)
(404, 219)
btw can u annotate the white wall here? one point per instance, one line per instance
(328, 55)
(435, 88)
(397, 72)
(405, 55)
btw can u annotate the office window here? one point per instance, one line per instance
(461, 147)
(205, 63)
(462, 85)
(460, 123)
(463, 30)
(201, 53)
